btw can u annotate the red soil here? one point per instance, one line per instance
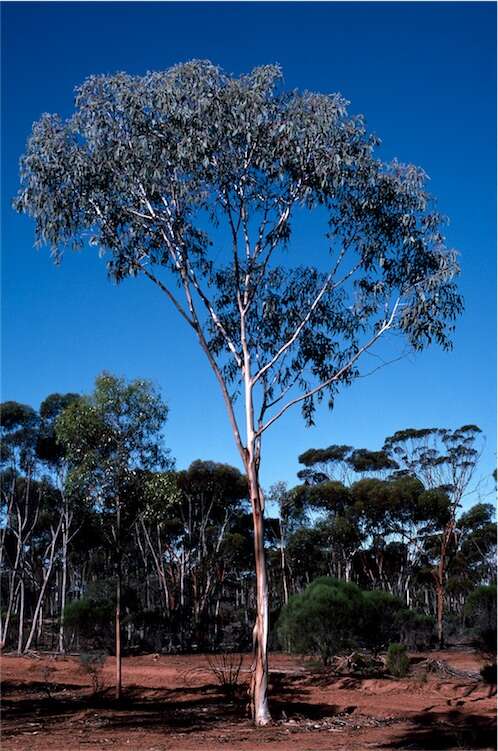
(173, 703)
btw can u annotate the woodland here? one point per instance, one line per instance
(207, 187)
(91, 498)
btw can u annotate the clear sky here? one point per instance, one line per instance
(423, 74)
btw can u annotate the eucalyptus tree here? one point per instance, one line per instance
(20, 503)
(110, 438)
(292, 513)
(445, 461)
(51, 452)
(194, 179)
(477, 543)
(331, 463)
(185, 523)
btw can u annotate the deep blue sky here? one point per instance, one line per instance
(423, 74)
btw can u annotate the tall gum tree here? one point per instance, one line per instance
(193, 179)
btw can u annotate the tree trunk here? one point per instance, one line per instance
(3, 532)
(46, 577)
(20, 633)
(440, 584)
(13, 589)
(440, 603)
(118, 602)
(282, 562)
(259, 683)
(62, 647)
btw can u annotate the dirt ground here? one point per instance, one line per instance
(174, 704)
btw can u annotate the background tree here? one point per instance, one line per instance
(159, 169)
(187, 566)
(291, 513)
(21, 498)
(445, 461)
(185, 525)
(109, 437)
(331, 463)
(51, 452)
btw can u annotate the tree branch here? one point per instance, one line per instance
(385, 326)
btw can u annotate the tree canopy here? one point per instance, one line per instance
(158, 169)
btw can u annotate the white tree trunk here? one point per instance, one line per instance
(259, 685)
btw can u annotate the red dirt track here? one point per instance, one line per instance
(171, 703)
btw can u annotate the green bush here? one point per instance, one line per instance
(380, 619)
(332, 616)
(91, 621)
(480, 615)
(84, 614)
(416, 630)
(397, 660)
(323, 620)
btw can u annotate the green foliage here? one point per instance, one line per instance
(480, 612)
(380, 619)
(324, 464)
(111, 436)
(146, 160)
(442, 458)
(397, 660)
(19, 428)
(323, 619)
(332, 616)
(364, 460)
(416, 629)
(48, 448)
(87, 614)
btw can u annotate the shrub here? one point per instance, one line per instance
(323, 620)
(416, 629)
(226, 669)
(397, 660)
(91, 620)
(92, 664)
(380, 619)
(480, 614)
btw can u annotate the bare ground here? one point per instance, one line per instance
(172, 703)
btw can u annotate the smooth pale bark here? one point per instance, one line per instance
(259, 683)
(62, 647)
(46, 577)
(158, 563)
(3, 532)
(283, 563)
(20, 633)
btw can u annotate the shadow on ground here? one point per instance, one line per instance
(450, 730)
(187, 709)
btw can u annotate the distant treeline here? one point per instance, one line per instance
(91, 500)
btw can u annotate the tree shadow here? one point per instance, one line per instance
(299, 710)
(188, 709)
(30, 687)
(431, 731)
